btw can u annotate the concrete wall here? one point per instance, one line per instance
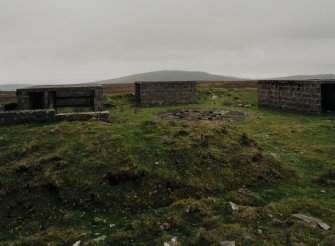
(47, 115)
(304, 96)
(164, 93)
(26, 116)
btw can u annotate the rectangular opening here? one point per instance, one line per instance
(328, 97)
(138, 93)
(52, 100)
(36, 100)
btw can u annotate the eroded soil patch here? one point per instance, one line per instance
(222, 115)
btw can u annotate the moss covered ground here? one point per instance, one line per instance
(140, 180)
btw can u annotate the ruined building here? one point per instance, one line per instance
(52, 97)
(39, 104)
(165, 92)
(312, 96)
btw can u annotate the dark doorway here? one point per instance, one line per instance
(328, 97)
(52, 100)
(36, 100)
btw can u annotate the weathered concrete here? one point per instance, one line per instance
(47, 115)
(51, 97)
(102, 115)
(27, 116)
(311, 96)
(165, 92)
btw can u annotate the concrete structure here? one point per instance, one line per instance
(312, 96)
(27, 116)
(52, 97)
(47, 115)
(39, 104)
(165, 92)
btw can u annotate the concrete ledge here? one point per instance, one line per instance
(100, 115)
(49, 115)
(26, 116)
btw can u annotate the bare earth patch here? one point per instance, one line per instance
(222, 115)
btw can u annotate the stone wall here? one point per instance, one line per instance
(165, 93)
(304, 96)
(26, 116)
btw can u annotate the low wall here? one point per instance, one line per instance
(49, 115)
(162, 93)
(304, 96)
(26, 116)
(102, 115)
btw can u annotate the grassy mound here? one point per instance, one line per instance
(141, 181)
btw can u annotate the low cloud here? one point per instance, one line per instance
(45, 41)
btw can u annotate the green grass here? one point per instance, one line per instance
(140, 172)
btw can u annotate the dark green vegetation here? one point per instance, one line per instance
(150, 180)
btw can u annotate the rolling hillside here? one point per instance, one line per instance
(169, 75)
(307, 77)
(12, 87)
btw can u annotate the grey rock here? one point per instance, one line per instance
(77, 243)
(308, 219)
(324, 226)
(98, 239)
(228, 243)
(234, 207)
(172, 242)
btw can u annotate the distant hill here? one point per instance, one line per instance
(169, 75)
(12, 87)
(306, 77)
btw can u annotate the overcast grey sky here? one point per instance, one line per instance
(59, 41)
